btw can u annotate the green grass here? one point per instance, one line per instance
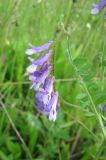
(80, 62)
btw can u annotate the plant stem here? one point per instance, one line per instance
(86, 90)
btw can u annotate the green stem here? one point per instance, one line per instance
(86, 90)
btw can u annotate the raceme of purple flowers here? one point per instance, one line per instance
(42, 82)
(98, 7)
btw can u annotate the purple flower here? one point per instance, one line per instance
(98, 7)
(48, 106)
(41, 101)
(31, 69)
(42, 59)
(39, 76)
(53, 106)
(40, 49)
(44, 96)
(39, 62)
(46, 91)
(48, 85)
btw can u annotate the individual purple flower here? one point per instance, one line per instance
(48, 85)
(52, 106)
(42, 59)
(39, 76)
(33, 49)
(44, 96)
(98, 7)
(39, 62)
(41, 101)
(46, 91)
(49, 107)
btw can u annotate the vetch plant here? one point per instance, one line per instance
(82, 82)
(43, 82)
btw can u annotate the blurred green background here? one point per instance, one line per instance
(77, 133)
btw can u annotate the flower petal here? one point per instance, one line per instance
(29, 52)
(52, 106)
(41, 101)
(31, 69)
(95, 11)
(42, 59)
(43, 76)
(40, 49)
(48, 85)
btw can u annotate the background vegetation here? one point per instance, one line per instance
(80, 60)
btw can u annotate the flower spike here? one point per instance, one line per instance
(42, 81)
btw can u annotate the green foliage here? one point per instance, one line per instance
(79, 131)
